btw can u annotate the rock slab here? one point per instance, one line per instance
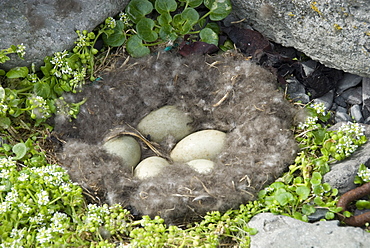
(279, 231)
(334, 32)
(45, 27)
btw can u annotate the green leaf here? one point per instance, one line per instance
(17, 72)
(164, 19)
(192, 3)
(209, 36)
(42, 89)
(5, 122)
(144, 29)
(218, 9)
(20, 150)
(316, 178)
(136, 48)
(167, 33)
(138, 9)
(318, 201)
(47, 67)
(185, 21)
(118, 37)
(329, 215)
(214, 26)
(362, 204)
(277, 185)
(303, 192)
(284, 198)
(308, 209)
(2, 72)
(165, 6)
(319, 135)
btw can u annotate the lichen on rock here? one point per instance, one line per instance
(222, 92)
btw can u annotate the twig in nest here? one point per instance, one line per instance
(205, 188)
(137, 135)
(233, 81)
(260, 109)
(248, 180)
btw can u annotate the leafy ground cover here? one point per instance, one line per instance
(41, 207)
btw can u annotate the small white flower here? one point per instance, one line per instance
(43, 197)
(44, 235)
(12, 196)
(319, 107)
(23, 177)
(4, 206)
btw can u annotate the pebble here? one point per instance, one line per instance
(341, 115)
(296, 91)
(356, 114)
(353, 95)
(348, 81)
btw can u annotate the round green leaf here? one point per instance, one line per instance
(316, 178)
(284, 198)
(303, 192)
(164, 19)
(20, 150)
(138, 9)
(308, 209)
(136, 48)
(2, 72)
(118, 37)
(329, 215)
(17, 72)
(144, 29)
(165, 6)
(218, 9)
(362, 204)
(209, 36)
(42, 89)
(5, 122)
(167, 33)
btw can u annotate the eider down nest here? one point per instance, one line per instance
(223, 92)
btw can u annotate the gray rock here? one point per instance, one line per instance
(277, 231)
(342, 173)
(341, 115)
(326, 99)
(353, 95)
(45, 27)
(348, 81)
(332, 32)
(309, 67)
(366, 93)
(296, 91)
(340, 101)
(356, 114)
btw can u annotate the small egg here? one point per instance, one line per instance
(206, 144)
(126, 147)
(165, 121)
(203, 166)
(150, 167)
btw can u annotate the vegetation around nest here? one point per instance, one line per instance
(41, 207)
